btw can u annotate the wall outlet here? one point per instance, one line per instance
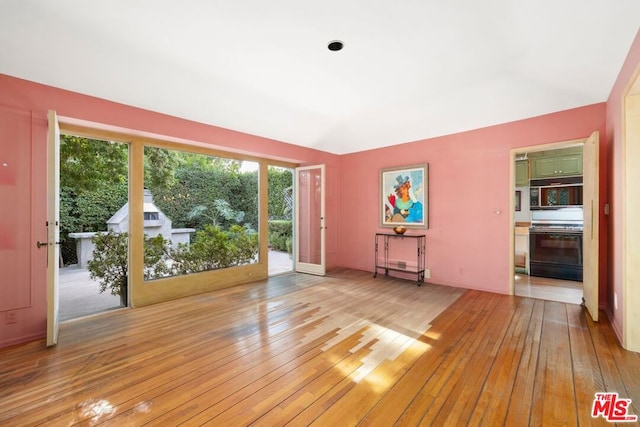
(402, 265)
(427, 273)
(12, 317)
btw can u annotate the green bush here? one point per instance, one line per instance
(110, 261)
(280, 232)
(214, 248)
(156, 253)
(279, 181)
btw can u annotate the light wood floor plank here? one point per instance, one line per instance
(586, 371)
(554, 393)
(445, 365)
(302, 398)
(493, 402)
(451, 404)
(617, 365)
(521, 402)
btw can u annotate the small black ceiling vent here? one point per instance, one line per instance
(335, 45)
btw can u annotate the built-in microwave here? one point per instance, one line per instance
(554, 193)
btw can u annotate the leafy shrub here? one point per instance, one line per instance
(110, 261)
(215, 248)
(156, 253)
(280, 181)
(279, 233)
(212, 249)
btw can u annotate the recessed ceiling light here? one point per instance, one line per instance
(335, 45)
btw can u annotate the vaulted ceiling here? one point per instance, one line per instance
(409, 70)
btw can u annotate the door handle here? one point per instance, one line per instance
(40, 244)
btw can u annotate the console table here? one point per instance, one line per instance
(382, 239)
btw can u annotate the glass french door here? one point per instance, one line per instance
(310, 220)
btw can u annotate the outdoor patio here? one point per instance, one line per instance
(80, 296)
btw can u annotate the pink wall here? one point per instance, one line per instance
(614, 139)
(34, 100)
(22, 204)
(467, 240)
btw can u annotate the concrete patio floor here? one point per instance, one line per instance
(80, 296)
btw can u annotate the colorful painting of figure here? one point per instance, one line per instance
(404, 196)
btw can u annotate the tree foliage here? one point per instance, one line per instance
(222, 212)
(93, 186)
(193, 190)
(279, 180)
(86, 164)
(202, 187)
(159, 167)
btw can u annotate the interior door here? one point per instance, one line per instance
(591, 166)
(53, 228)
(310, 220)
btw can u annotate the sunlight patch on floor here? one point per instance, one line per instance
(96, 408)
(387, 346)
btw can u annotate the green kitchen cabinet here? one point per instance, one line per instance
(556, 166)
(522, 173)
(570, 165)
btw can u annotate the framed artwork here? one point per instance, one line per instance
(404, 195)
(518, 197)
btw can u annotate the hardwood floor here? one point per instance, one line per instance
(345, 349)
(568, 291)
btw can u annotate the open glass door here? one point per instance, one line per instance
(53, 228)
(310, 227)
(590, 167)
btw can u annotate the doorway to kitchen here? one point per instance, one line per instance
(548, 223)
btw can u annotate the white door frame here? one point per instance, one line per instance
(512, 182)
(53, 229)
(306, 224)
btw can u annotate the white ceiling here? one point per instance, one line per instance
(410, 69)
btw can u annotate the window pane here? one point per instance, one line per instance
(310, 238)
(201, 213)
